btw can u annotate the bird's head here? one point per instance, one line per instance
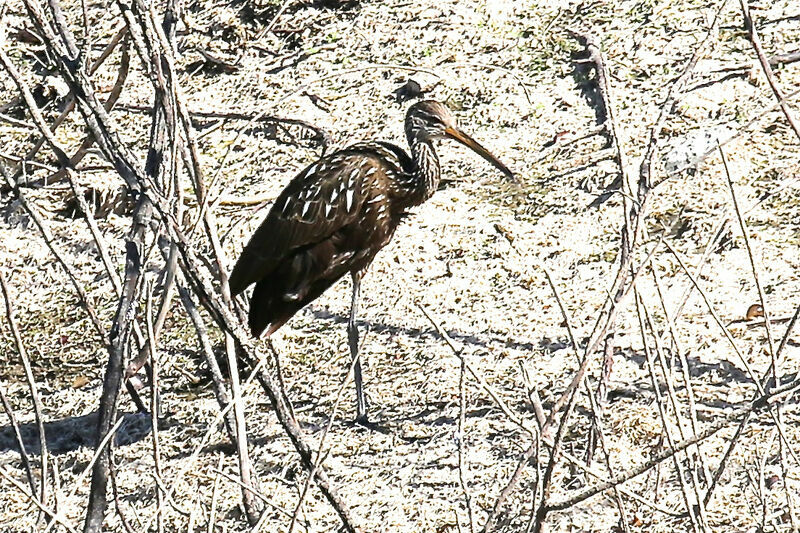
(428, 120)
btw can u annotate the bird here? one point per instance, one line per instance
(334, 217)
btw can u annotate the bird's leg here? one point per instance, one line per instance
(352, 338)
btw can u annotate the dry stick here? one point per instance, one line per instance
(462, 422)
(212, 518)
(154, 408)
(507, 490)
(644, 320)
(676, 89)
(635, 215)
(102, 248)
(684, 363)
(533, 450)
(733, 344)
(275, 18)
(734, 440)
(756, 279)
(607, 109)
(123, 319)
(762, 58)
(115, 492)
(56, 483)
(321, 135)
(739, 132)
(59, 255)
(87, 45)
(18, 436)
(279, 375)
(79, 481)
(207, 350)
(37, 403)
(674, 403)
(719, 226)
(261, 496)
(600, 331)
(70, 105)
(627, 492)
(17, 159)
(765, 308)
(245, 468)
(60, 24)
(37, 116)
(762, 402)
(97, 502)
(509, 414)
(116, 91)
(457, 351)
(57, 518)
(19, 124)
(541, 512)
(120, 334)
(93, 112)
(595, 409)
(203, 442)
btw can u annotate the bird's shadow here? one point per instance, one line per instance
(71, 433)
(483, 341)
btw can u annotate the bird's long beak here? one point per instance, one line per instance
(469, 142)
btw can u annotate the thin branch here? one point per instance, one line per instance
(761, 403)
(765, 66)
(154, 408)
(57, 518)
(23, 454)
(767, 326)
(37, 402)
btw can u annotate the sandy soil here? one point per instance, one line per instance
(506, 68)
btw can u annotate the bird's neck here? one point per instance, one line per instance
(424, 178)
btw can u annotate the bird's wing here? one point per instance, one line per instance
(319, 201)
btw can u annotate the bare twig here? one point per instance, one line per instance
(765, 309)
(462, 422)
(645, 322)
(318, 134)
(212, 516)
(23, 454)
(57, 518)
(765, 65)
(154, 408)
(762, 402)
(102, 248)
(37, 402)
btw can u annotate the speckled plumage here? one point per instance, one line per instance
(335, 215)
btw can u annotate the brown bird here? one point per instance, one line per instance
(335, 216)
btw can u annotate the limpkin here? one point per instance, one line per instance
(333, 218)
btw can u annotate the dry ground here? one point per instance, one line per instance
(507, 69)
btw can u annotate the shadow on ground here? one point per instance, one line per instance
(69, 434)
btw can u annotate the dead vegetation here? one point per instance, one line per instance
(569, 354)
